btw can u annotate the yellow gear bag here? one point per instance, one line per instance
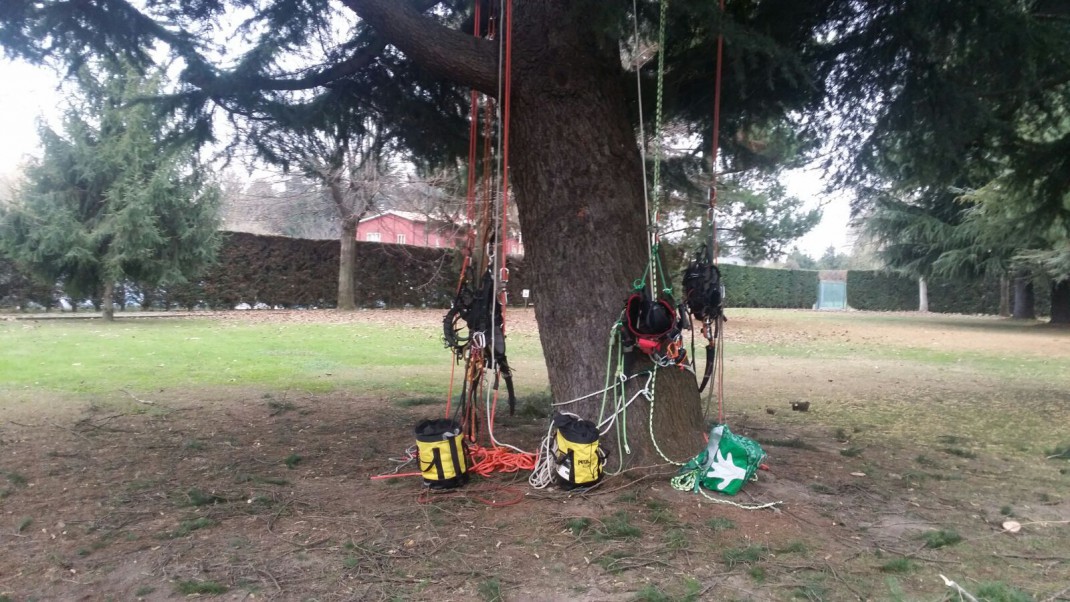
(442, 454)
(579, 459)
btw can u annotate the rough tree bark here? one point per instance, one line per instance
(1060, 302)
(347, 261)
(1004, 295)
(576, 171)
(107, 301)
(1024, 298)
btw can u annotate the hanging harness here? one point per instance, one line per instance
(654, 327)
(704, 295)
(472, 306)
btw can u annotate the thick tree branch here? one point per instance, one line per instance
(365, 55)
(449, 53)
(357, 61)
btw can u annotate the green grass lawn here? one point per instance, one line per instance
(145, 355)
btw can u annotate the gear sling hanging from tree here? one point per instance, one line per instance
(479, 302)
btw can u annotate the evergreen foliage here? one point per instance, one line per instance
(747, 286)
(108, 201)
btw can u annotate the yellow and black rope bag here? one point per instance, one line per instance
(442, 453)
(579, 459)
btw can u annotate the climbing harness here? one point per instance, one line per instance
(704, 296)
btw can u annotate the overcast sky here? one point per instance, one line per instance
(30, 92)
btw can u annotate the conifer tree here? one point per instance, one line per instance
(108, 201)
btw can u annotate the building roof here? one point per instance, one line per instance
(412, 216)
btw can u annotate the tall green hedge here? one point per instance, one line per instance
(881, 291)
(747, 286)
(290, 272)
(886, 291)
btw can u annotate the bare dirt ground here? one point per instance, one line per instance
(245, 494)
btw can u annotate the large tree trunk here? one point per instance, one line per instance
(1060, 302)
(1004, 295)
(577, 172)
(347, 262)
(1024, 297)
(108, 301)
(923, 295)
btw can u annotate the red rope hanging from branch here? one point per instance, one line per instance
(719, 369)
(507, 85)
(716, 135)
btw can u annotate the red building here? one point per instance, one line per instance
(408, 228)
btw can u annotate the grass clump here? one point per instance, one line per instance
(196, 497)
(189, 526)
(676, 539)
(1059, 452)
(960, 452)
(659, 511)
(822, 489)
(611, 561)
(898, 565)
(252, 478)
(190, 587)
(578, 525)
(745, 555)
(941, 538)
(537, 405)
(1001, 592)
(794, 442)
(144, 590)
(291, 461)
(795, 547)
(652, 593)
(851, 452)
(491, 590)
(16, 479)
(619, 526)
(926, 461)
(280, 406)
(24, 524)
(413, 402)
(194, 444)
(720, 523)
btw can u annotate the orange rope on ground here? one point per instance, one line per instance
(488, 460)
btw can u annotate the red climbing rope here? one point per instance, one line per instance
(719, 368)
(508, 85)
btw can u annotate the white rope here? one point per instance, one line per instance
(642, 140)
(737, 504)
(645, 392)
(623, 379)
